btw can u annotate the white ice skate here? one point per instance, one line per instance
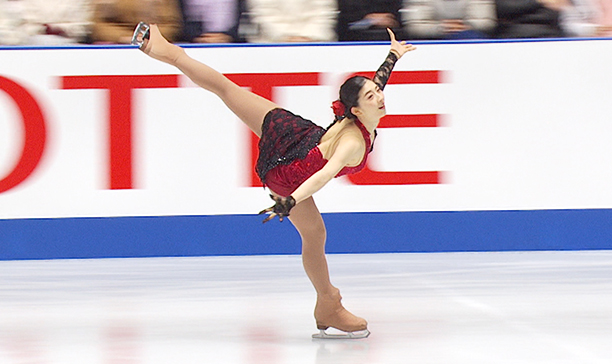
(322, 334)
(140, 34)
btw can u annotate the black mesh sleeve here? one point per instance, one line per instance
(384, 71)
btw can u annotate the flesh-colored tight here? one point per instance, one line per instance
(252, 109)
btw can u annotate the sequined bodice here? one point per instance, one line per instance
(285, 178)
(314, 160)
(368, 142)
(288, 149)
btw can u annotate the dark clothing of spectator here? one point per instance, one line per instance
(526, 19)
(198, 22)
(368, 19)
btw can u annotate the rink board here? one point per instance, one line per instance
(486, 146)
(390, 232)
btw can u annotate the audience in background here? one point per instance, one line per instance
(449, 19)
(211, 21)
(115, 20)
(578, 18)
(587, 18)
(604, 19)
(292, 20)
(59, 22)
(368, 19)
(529, 18)
(44, 22)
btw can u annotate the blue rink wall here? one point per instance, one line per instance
(347, 233)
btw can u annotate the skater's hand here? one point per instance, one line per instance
(281, 208)
(399, 48)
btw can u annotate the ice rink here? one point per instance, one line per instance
(451, 308)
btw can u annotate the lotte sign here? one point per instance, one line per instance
(120, 111)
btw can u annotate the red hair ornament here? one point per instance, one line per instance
(339, 109)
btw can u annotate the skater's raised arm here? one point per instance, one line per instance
(358, 112)
(398, 49)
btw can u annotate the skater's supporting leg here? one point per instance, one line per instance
(249, 107)
(329, 312)
(308, 221)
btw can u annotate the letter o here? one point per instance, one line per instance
(35, 134)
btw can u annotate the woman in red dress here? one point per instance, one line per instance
(297, 158)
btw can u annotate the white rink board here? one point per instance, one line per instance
(526, 126)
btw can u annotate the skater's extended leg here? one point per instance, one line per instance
(249, 107)
(329, 312)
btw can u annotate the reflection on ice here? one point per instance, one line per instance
(536, 307)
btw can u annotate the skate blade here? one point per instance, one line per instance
(141, 33)
(322, 334)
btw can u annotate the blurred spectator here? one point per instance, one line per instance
(529, 18)
(292, 20)
(44, 22)
(211, 21)
(449, 19)
(115, 20)
(587, 18)
(368, 19)
(605, 18)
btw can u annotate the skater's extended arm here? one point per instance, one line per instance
(398, 49)
(348, 149)
(345, 152)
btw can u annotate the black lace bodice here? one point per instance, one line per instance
(284, 138)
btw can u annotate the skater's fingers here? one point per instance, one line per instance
(276, 199)
(391, 35)
(264, 211)
(270, 217)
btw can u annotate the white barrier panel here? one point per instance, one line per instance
(500, 126)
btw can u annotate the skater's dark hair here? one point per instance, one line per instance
(349, 94)
(349, 98)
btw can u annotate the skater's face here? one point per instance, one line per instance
(371, 102)
(350, 92)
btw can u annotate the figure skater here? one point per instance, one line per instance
(297, 157)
